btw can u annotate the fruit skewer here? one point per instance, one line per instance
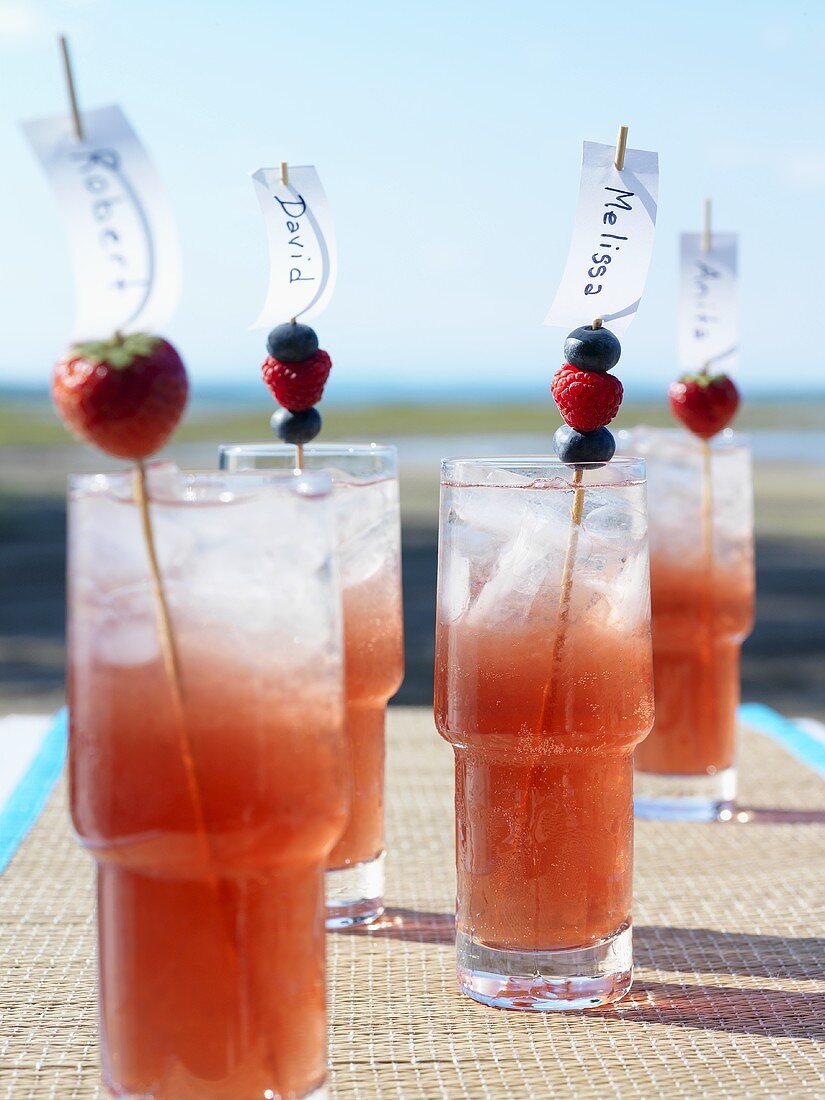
(295, 372)
(588, 398)
(126, 396)
(705, 403)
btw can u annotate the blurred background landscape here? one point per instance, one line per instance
(448, 139)
(783, 660)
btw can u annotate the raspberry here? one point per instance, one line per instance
(297, 386)
(586, 400)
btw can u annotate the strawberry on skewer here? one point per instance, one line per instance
(705, 403)
(125, 395)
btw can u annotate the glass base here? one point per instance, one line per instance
(355, 895)
(547, 981)
(319, 1093)
(684, 797)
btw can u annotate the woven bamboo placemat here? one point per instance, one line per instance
(729, 998)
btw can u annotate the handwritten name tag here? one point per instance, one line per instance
(612, 240)
(708, 314)
(124, 246)
(302, 254)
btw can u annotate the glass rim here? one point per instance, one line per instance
(727, 441)
(631, 469)
(119, 485)
(365, 449)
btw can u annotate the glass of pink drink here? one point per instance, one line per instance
(365, 492)
(210, 813)
(702, 591)
(543, 694)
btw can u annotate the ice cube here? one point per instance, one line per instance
(532, 562)
(616, 522)
(454, 587)
(367, 522)
(129, 642)
(125, 628)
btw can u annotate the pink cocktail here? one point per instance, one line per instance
(369, 554)
(210, 810)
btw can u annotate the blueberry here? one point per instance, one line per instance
(297, 427)
(589, 348)
(574, 447)
(292, 343)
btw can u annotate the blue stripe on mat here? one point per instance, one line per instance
(792, 737)
(25, 803)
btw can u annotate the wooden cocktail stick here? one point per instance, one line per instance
(77, 121)
(707, 239)
(707, 596)
(621, 148)
(565, 593)
(708, 704)
(618, 164)
(168, 647)
(171, 661)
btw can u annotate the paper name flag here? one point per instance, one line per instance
(612, 240)
(302, 254)
(124, 246)
(708, 315)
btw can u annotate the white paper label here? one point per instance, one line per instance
(302, 254)
(612, 240)
(708, 315)
(124, 245)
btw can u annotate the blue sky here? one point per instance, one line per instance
(448, 137)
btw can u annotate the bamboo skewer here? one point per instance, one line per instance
(299, 447)
(171, 662)
(71, 90)
(707, 239)
(549, 695)
(618, 164)
(621, 148)
(169, 650)
(708, 704)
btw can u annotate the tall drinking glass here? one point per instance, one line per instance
(702, 588)
(544, 688)
(369, 532)
(210, 807)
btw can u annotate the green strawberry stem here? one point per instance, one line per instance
(171, 661)
(119, 351)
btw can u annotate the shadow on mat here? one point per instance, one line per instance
(770, 1012)
(706, 950)
(412, 925)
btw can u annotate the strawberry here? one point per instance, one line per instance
(704, 403)
(297, 386)
(125, 395)
(586, 399)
